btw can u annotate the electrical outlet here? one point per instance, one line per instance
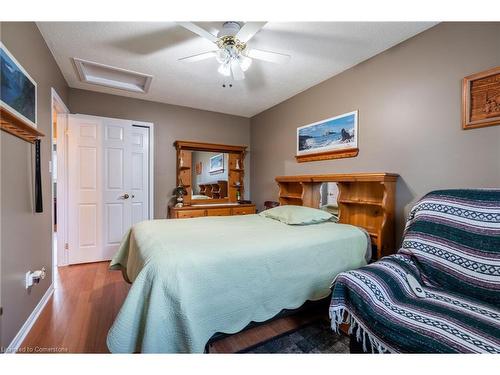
(28, 280)
(34, 277)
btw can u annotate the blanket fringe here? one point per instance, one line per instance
(340, 315)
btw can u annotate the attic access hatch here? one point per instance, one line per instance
(110, 76)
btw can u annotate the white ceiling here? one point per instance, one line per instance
(319, 51)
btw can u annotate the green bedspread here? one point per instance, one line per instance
(192, 278)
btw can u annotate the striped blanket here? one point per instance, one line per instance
(441, 292)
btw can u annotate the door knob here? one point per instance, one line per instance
(125, 196)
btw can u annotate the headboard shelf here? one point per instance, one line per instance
(366, 200)
(293, 197)
(359, 201)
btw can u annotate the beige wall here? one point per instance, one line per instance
(26, 236)
(408, 99)
(171, 123)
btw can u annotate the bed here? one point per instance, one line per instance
(190, 279)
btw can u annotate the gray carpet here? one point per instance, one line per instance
(316, 337)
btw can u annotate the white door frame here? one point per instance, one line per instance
(61, 258)
(148, 125)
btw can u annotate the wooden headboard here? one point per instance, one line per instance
(366, 200)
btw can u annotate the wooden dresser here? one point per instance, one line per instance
(187, 212)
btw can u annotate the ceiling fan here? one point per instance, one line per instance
(232, 52)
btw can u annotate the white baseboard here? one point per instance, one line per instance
(28, 324)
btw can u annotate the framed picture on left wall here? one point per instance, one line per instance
(17, 90)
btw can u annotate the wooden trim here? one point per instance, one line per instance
(203, 206)
(353, 177)
(210, 201)
(202, 146)
(466, 101)
(17, 127)
(340, 177)
(337, 154)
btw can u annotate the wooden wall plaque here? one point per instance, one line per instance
(481, 99)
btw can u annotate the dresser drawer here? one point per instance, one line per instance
(243, 210)
(218, 212)
(186, 214)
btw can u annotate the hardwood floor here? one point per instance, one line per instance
(77, 318)
(86, 300)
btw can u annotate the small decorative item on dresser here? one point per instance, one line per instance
(179, 192)
(237, 165)
(481, 99)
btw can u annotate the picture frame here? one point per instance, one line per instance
(217, 164)
(332, 138)
(481, 99)
(18, 91)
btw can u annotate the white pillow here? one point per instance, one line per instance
(297, 215)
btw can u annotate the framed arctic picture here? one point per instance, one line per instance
(217, 164)
(333, 138)
(17, 89)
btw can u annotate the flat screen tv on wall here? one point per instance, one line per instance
(17, 89)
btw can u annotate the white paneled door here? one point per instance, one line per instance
(108, 184)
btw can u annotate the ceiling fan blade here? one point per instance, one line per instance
(248, 30)
(238, 74)
(274, 57)
(198, 30)
(198, 57)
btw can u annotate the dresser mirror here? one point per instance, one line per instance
(210, 173)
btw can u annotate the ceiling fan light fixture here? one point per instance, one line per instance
(225, 69)
(222, 56)
(233, 56)
(245, 62)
